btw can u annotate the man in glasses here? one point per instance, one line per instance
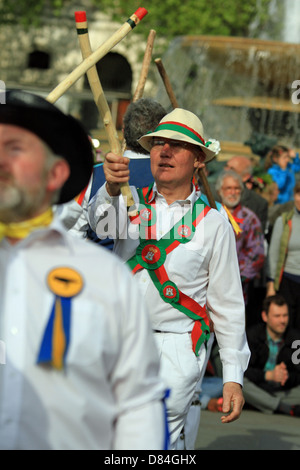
(183, 255)
(250, 240)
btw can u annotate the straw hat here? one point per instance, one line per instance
(62, 133)
(183, 125)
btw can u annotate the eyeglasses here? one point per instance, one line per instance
(176, 145)
(238, 189)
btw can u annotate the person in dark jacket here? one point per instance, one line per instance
(272, 379)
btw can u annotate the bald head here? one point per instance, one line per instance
(241, 165)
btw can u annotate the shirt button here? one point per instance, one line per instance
(14, 330)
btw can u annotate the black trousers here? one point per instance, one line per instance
(290, 290)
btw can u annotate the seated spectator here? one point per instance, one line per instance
(272, 380)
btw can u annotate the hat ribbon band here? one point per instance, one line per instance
(177, 126)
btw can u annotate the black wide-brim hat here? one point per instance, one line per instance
(61, 132)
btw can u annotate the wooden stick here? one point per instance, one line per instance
(99, 97)
(100, 52)
(174, 103)
(166, 82)
(144, 73)
(145, 66)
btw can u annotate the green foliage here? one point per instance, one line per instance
(172, 18)
(28, 12)
(169, 18)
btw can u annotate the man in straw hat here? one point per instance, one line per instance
(183, 255)
(72, 322)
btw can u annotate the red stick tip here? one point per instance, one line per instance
(141, 12)
(80, 16)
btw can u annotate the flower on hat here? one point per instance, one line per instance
(214, 145)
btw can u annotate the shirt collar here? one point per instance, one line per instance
(277, 342)
(56, 226)
(191, 199)
(135, 156)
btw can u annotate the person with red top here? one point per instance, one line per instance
(250, 239)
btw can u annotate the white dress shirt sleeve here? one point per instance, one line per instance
(226, 304)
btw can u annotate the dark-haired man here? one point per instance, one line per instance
(272, 380)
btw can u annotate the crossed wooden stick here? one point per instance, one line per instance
(88, 66)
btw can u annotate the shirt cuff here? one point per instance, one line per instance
(233, 373)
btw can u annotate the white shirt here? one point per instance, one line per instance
(109, 396)
(74, 215)
(206, 269)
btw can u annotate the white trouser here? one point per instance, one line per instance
(189, 433)
(181, 371)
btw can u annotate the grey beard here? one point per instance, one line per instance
(17, 205)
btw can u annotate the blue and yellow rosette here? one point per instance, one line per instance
(65, 283)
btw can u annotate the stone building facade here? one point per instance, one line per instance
(37, 59)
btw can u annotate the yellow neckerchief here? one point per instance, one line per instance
(21, 230)
(232, 220)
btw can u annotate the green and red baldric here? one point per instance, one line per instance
(151, 255)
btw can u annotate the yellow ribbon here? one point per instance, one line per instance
(234, 224)
(21, 230)
(59, 339)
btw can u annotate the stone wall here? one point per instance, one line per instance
(57, 37)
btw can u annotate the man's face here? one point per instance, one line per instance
(230, 192)
(173, 162)
(277, 319)
(22, 173)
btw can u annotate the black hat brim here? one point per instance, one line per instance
(62, 133)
